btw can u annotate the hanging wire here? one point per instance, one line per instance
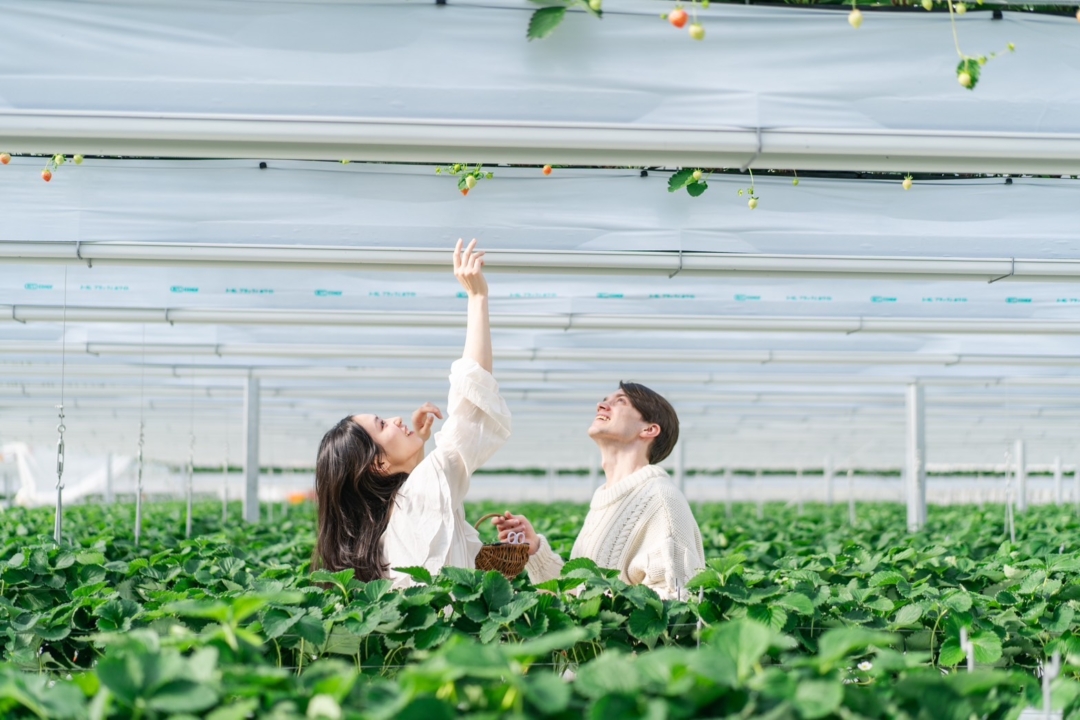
(142, 426)
(191, 454)
(58, 527)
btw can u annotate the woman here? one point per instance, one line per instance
(382, 503)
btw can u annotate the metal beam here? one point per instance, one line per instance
(534, 321)
(202, 135)
(664, 263)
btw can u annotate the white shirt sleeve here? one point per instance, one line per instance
(477, 423)
(427, 525)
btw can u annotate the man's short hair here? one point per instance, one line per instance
(654, 409)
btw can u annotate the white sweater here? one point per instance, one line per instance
(427, 525)
(643, 527)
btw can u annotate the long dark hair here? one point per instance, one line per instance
(354, 501)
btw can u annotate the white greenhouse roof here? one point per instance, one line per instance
(860, 288)
(412, 81)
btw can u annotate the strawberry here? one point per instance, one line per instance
(470, 181)
(697, 31)
(5, 158)
(465, 191)
(78, 159)
(697, 176)
(907, 183)
(928, 5)
(595, 5)
(854, 18)
(546, 170)
(677, 17)
(960, 8)
(964, 79)
(752, 203)
(46, 175)
(795, 182)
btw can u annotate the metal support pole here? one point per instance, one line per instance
(1059, 486)
(109, 499)
(799, 490)
(224, 493)
(1076, 488)
(828, 477)
(680, 465)
(727, 491)
(915, 465)
(189, 491)
(851, 496)
(1021, 477)
(58, 526)
(139, 485)
(251, 450)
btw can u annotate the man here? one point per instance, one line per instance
(639, 522)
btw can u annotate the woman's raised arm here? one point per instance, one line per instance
(469, 270)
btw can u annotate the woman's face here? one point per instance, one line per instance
(402, 448)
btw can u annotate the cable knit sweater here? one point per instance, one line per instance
(641, 526)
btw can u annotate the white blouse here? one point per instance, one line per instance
(427, 524)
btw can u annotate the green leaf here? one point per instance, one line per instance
(419, 574)
(311, 628)
(542, 646)
(90, 558)
(496, 590)
(432, 637)
(647, 623)
(183, 696)
(838, 643)
(610, 674)
(957, 601)
(680, 179)
(695, 189)
(908, 615)
(818, 698)
(796, 602)
(544, 21)
(547, 693)
(116, 615)
(276, 622)
(770, 615)
(743, 642)
(881, 579)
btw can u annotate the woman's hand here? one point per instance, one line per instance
(509, 523)
(469, 269)
(422, 419)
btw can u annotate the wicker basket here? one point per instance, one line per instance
(505, 558)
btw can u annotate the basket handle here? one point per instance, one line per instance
(486, 517)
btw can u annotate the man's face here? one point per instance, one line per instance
(616, 419)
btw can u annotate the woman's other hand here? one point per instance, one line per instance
(469, 269)
(509, 523)
(423, 418)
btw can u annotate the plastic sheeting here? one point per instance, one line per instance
(747, 397)
(388, 206)
(433, 68)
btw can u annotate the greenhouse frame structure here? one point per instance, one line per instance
(272, 285)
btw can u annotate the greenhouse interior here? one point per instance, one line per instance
(844, 249)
